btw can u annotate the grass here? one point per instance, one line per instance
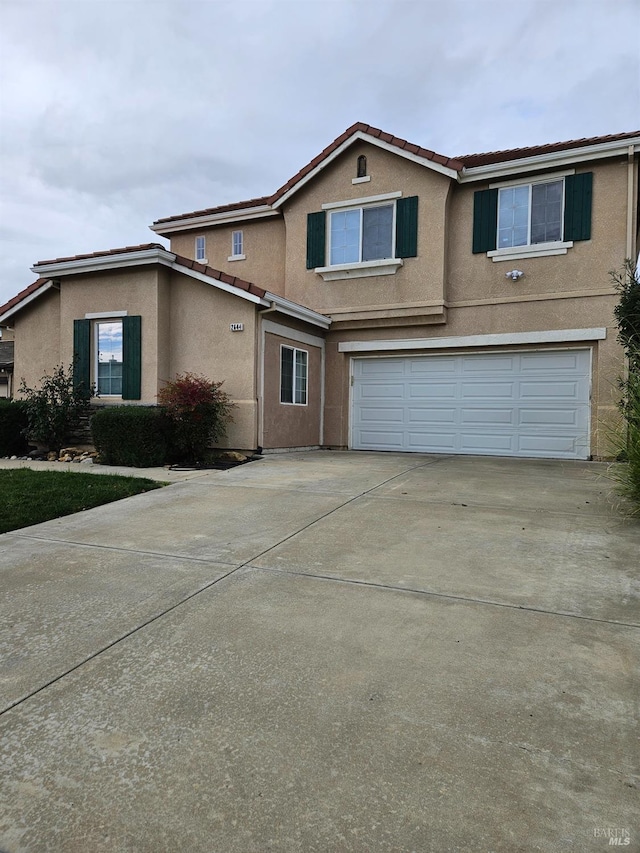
(29, 497)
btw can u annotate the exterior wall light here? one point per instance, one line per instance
(514, 275)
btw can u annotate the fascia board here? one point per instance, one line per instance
(292, 309)
(221, 285)
(206, 220)
(105, 262)
(23, 302)
(547, 161)
(361, 135)
(542, 337)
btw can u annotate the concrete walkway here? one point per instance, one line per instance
(326, 652)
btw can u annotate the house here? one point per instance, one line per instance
(385, 298)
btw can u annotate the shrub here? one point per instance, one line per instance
(134, 436)
(199, 412)
(13, 425)
(55, 409)
(627, 440)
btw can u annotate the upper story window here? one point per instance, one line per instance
(200, 249)
(362, 234)
(527, 219)
(530, 214)
(237, 247)
(364, 237)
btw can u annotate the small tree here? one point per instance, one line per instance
(199, 412)
(55, 409)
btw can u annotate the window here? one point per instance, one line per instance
(200, 249)
(293, 375)
(543, 217)
(363, 234)
(236, 243)
(367, 238)
(529, 214)
(107, 352)
(108, 358)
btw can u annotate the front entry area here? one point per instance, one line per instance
(517, 403)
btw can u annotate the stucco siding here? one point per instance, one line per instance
(37, 341)
(201, 342)
(419, 280)
(264, 250)
(288, 425)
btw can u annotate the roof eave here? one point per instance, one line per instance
(554, 159)
(207, 219)
(24, 302)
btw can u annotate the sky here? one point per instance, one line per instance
(115, 114)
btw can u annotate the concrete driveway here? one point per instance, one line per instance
(326, 652)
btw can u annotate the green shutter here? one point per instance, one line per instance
(82, 354)
(407, 227)
(485, 220)
(131, 357)
(578, 190)
(316, 238)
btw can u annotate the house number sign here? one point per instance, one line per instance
(236, 327)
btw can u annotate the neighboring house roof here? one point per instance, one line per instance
(454, 166)
(6, 353)
(152, 253)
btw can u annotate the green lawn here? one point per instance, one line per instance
(29, 497)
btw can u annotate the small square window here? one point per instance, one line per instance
(200, 249)
(294, 373)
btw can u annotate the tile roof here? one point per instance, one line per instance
(220, 276)
(455, 163)
(22, 295)
(122, 251)
(188, 263)
(402, 144)
(491, 157)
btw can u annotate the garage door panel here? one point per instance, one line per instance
(485, 416)
(487, 442)
(552, 417)
(443, 442)
(486, 390)
(382, 390)
(380, 414)
(513, 404)
(432, 391)
(564, 390)
(432, 415)
(487, 365)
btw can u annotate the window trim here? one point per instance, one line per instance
(104, 319)
(293, 402)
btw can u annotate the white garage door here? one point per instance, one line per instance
(496, 404)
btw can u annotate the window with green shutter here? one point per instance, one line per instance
(116, 366)
(544, 215)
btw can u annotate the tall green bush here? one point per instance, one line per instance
(627, 314)
(199, 412)
(55, 409)
(135, 436)
(13, 425)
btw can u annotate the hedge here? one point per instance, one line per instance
(13, 423)
(135, 436)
